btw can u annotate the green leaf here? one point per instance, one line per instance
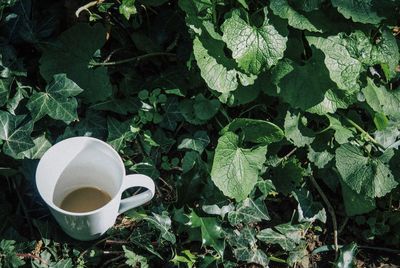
(216, 210)
(172, 114)
(20, 94)
(163, 223)
(8, 254)
(282, 9)
(344, 70)
(296, 130)
(186, 107)
(16, 136)
(198, 143)
(127, 8)
(386, 53)
(244, 244)
(334, 99)
(320, 159)
(342, 134)
(308, 210)
(364, 174)
(37, 151)
(119, 106)
(286, 235)
(257, 131)
(382, 100)
(190, 159)
(119, 133)
(211, 231)
(308, 5)
(5, 84)
(358, 10)
(381, 121)
(58, 101)
(205, 109)
(287, 176)
(347, 256)
(133, 259)
(354, 203)
(235, 170)
(303, 91)
(249, 211)
(253, 48)
(187, 257)
(71, 54)
(217, 76)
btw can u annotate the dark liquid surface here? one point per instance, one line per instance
(85, 199)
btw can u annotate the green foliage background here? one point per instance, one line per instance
(268, 127)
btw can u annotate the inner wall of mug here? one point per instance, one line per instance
(94, 167)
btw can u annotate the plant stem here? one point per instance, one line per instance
(381, 249)
(287, 156)
(87, 6)
(360, 129)
(331, 212)
(137, 58)
(341, 228)
(31, 256)
(275, 259)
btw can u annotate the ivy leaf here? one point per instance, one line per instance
(257, 131)
(308, 210)
(189, 161)
(216, 210)
(40, 147)
(358, 10)
(133, 259)
(163, 223)
(347, 256)
(249, 211)
(119, 106)
(58, 101)
(198, 143)
(235, 170)
(253, 48)
(71, 54)
(8, 254)
(205, 109)
(382, 100)
(127, 8)
(296, 131)
(118, 133)
(16, 137)
(244, 244)
(172, 114)
(364, 175)
(5, 84)
(282, 9)
(211, 231)
(286, 235)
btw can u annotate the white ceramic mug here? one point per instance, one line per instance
(88, 162)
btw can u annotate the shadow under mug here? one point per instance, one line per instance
(88, 162)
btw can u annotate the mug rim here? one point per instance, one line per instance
(116, 196)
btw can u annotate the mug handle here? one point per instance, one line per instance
(136, 180)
